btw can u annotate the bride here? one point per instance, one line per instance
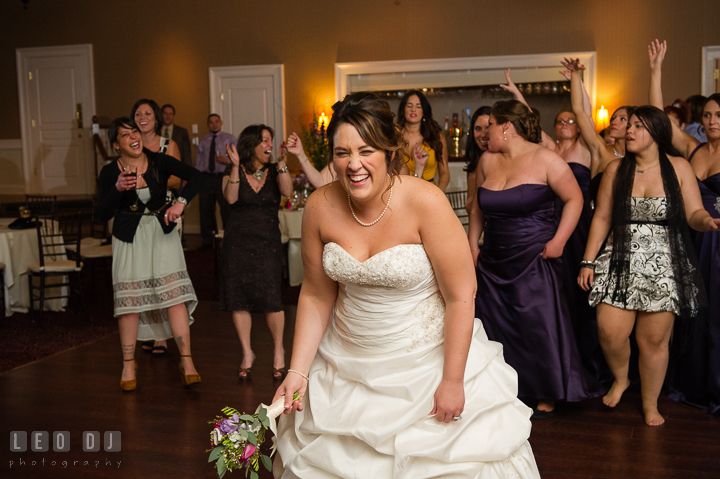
(389, 282)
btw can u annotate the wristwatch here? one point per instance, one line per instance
(182, 200)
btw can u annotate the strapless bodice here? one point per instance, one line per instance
(710, 193)
(388, 302)
(520, 215)
(582, 175)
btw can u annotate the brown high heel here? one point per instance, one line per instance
(188, 379)
(130, 385)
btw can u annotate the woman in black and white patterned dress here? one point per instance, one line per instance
(644, 277)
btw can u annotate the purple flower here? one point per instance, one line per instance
(247, 452)
(229, 425)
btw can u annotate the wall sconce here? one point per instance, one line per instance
(323, 121)
(602, 117)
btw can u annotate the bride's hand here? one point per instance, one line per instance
(449, 401)
(293, 383)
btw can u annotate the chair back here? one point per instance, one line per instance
(458, 200)
(41, 205)
(55, 233)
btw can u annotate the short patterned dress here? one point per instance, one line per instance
(651, 279)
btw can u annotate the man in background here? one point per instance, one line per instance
(176, 133)
(211, 160)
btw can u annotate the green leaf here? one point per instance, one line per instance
(221, 467)
(267, 462)
(296, 396)
(266, 423)
(253, 475)
(246, 417)
(217, 452)
(243, 433)
(251, 439)
(262, 415)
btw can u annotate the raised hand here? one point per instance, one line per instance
(294, 145)
(656, 52)
(567, 74)
(421, 156)
(233, 154)
(572, 65)
(510, 87)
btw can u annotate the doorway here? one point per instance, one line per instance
(56, 88)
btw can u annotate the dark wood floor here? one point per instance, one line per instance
(165, 434)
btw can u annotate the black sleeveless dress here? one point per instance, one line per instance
(251, 263)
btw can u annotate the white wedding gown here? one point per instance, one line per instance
(366, 409)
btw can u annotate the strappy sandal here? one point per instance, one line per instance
(130, 385)
(245, 374)
(279, 373)
(187, 379)
(159, 350)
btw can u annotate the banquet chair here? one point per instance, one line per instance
(41, 205)
(458, 199)
(54, 235)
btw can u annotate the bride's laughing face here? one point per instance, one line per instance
(362, 169)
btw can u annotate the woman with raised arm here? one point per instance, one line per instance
(426, 148)
(644, 276)
(475, 149)
(520, 298)
(251, 273)
(694, 377)
(315, 177)
(388, 284)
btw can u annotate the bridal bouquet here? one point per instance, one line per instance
(236, 438)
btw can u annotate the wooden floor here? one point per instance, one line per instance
(165, 432)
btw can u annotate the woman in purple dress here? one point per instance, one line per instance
(694, 377)
(520, 298)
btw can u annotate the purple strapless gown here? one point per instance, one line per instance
(520, 297)
(694, 377)
(582, 314)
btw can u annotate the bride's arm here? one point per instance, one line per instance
(446, 245)
(317, 297)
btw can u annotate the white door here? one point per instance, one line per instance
(248, 95)
(57, 103)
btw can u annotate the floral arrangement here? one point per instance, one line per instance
(236, 438)
(314, 139)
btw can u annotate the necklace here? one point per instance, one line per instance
(616, 153)
(258, 174)
(378, 218)
(647, 168)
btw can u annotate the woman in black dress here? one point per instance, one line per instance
(251, 269)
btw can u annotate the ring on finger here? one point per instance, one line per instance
(457, 418)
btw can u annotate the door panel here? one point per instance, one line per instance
(56, 84)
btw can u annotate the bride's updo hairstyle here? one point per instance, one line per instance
(374, 121)
(526, 123)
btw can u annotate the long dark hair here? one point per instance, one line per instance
(156, 110)
(248, 140)
(472, 150)
(686, 274)
(374, 121)
(429, 128)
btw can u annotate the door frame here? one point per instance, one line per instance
(85, 51)
(276, 71)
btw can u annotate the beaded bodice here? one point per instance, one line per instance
(388, 302)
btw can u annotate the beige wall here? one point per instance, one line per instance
(162, 49)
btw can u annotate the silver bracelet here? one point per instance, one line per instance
(284, 169)
(587, 264)
(298, 372)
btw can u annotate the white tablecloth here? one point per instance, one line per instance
(291, 229)
(18, 249)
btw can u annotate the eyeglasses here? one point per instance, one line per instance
(565, 122)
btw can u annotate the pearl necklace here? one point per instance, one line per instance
(378, 218)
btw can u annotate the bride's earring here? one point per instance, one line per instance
(504, 136)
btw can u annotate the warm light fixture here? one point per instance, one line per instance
(323, 121)
(602, 117)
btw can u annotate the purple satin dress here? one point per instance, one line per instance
(582, 314)
(694, 377)
(520, 297)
